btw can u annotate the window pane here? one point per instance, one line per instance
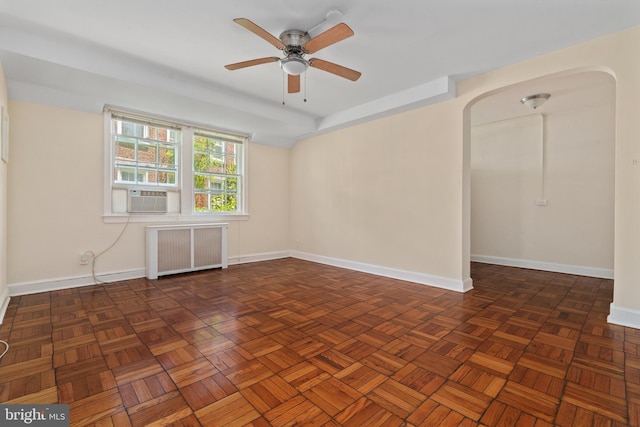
(201, 181)
(166, 157)
(156, 134)
(230, 166)
(218, 183)
(200, 143)
(146, 176)
(231, 185)
(223, 202)
(166, 177)
(125, 149)
(173, 135)
(146, 154)
(124, 175)
(215, 146)
(216, 164)
(201, 202)
(132, 129)
(200, 162)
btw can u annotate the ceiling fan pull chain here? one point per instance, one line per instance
(305, 87)
(283, 83)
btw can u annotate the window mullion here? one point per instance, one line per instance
(109, 160)
(186, 171)
(135, 159)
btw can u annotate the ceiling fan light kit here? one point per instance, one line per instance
(295, 44)
(294, 65)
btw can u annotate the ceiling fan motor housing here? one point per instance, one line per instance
(294, 39)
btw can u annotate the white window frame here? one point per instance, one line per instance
(227, 139)
(140, 168)
(185, 176)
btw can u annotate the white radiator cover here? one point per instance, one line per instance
(173, 249)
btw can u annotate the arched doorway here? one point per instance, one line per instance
(541, 182)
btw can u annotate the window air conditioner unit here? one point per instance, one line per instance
(146, 201)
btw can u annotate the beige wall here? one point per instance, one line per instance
(3, 211)
(396, 191)
(507, 177)
(385, 193)
(56, 193)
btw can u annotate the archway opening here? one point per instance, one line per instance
(540, 191)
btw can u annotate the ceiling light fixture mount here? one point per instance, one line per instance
(534, 101)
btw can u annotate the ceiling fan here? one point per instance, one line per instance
(296, 44)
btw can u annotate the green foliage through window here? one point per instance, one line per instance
(217, 173)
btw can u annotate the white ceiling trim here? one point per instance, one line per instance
(438, 90)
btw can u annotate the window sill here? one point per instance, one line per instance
(171, 217)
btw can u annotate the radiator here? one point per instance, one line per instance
(173, 249)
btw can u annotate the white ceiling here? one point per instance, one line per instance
(167, 57)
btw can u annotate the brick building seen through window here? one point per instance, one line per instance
(147, 155)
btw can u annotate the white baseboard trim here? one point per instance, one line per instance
(266, 256)
(601, 273)
(624, 316)
(409, 276)
(47, 285)
(4, 303)
(26, 288)
(467, 284)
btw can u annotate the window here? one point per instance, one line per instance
(144, 152)
(217, 172)
(202, 170)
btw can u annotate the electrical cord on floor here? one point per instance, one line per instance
(94, 257)
(6, 344)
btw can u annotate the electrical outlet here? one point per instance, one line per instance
(84, 258)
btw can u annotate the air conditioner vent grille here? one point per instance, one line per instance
(147, 201)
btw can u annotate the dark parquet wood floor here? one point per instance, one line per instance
(290, 342)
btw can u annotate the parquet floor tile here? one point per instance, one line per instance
(530, 401)
(290, 342)
(396, 398)
(365, 412)
(332, 395)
